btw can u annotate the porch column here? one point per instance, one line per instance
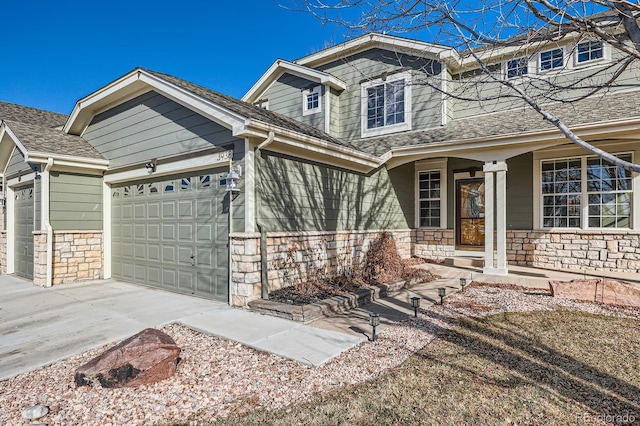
(495, 178)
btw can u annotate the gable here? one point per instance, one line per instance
(17, 165)
(152, 126)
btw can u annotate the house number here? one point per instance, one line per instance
(225, 155)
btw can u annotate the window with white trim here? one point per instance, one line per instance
(386, 105)
(517, 67)
(573, 184)
(589, 51)
(551, 59)
(609, 192)
(429, 198)
(312, 100)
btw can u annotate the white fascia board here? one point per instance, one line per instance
(372, 40)
(281, 66)
(137, 82)
(6, 130)
(69, 160)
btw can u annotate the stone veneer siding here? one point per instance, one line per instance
(3, 252)
(616, 251)
(434, 243)
(77, 256)
(295, 257)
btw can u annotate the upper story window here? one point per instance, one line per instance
(589, 51)
(386, 105)
(517, 67)
(312, 100)
(551, 59)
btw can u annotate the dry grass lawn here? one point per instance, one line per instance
(557, 367)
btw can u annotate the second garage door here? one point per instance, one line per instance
(172, 233)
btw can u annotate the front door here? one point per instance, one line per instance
(470, 214)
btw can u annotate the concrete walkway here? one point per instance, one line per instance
(398, 306)
(39, 326)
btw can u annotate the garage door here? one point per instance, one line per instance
(23, 247)
(173, 233)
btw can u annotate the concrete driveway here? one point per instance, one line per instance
(39, 326)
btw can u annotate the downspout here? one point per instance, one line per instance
(264, 283)
(230, 243)
(46, 187)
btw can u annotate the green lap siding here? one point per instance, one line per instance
(294, 195)
(76, 201)
(17, 165)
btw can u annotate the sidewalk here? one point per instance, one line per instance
(39, 326)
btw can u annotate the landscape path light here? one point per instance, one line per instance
(442, 292)
(374, 321)
(463, 283)
(415, 302)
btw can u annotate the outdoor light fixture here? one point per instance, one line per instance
(441, 292)
(374, 321)
(233, 179)
(151, 166)
(415, 302)
(463, 282)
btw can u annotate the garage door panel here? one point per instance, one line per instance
(185, 209)
(140, 251)
(153, 252)
(154, 276)
(185, 232)
(169, 210)
(170, 233)
(169, 254)
(204, 233)
(140, 231)
(153, 231)
(127, 212)
(153, 210)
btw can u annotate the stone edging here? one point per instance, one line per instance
(335, 304)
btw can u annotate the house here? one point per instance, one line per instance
(158, 181)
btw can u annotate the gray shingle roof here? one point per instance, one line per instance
(600, 109)
(24, 114)
(251, 111)
(51, 141)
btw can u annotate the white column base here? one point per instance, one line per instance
(495, 271)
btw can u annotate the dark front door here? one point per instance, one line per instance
(470, 214)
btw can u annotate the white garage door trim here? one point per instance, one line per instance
(208, 161)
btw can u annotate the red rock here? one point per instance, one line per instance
(593, 290)
(147, 357)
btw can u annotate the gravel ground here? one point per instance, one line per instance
(217, 378)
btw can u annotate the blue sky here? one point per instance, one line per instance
(56, 52)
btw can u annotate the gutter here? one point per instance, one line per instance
(46, 186)
(264, 283)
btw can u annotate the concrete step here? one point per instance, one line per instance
(464, 261)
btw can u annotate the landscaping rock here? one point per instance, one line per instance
(595, 290)
(148, 357)
(35, 412)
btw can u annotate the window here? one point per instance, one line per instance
(551, 59)
(312, 100)
(609, 192)
(590, 51)
(517, 67)
(571, 185)
(561, 193)
(429, 198)
(386, 105)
